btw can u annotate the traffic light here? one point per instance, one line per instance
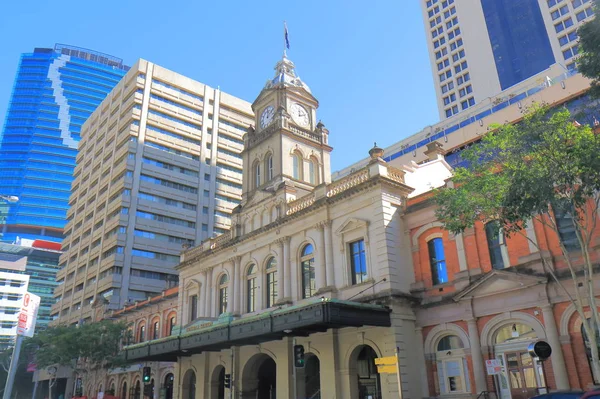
(227, 381)
(146, 375)
(298, 356)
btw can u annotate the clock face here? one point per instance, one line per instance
(300, 115)
(267, 116)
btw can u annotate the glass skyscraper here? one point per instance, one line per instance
(55, 91)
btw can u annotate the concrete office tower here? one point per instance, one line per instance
(39, 260)
(479, 48)
(55, 91)
(158, 168)
(13, 287)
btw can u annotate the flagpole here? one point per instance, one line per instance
(284, 41)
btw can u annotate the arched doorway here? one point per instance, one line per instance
(259, 378)
(188, 387)
(137, 393)
(168, 386)
(217, 383)
(150, 390)
(363, 374)
(522, 375)
(124, 390)
(312, 377)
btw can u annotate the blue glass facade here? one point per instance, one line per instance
(519, 39)
(55, 91)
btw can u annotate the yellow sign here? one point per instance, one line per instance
(386, 369)
(388, 361)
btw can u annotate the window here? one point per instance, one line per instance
(271, 282)
(172, 321)
(297, 166)
(155, 333)
(142, 333)
(358, 262)
(495, 240)
(437, 261)
(313, 168)
(251, 289)
(452, 366)
(223, 293)
(566, 227)
(269, 167)
(307, 264)
(193, 307)
(256, 174)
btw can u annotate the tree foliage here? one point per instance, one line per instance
(589, 61)
(96, 345)
(545, 165)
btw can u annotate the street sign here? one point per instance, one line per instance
(387, 369)
(387, 361)
(493, 366)
(28, 315)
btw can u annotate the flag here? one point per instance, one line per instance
(287, 40)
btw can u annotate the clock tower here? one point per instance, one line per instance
(288, 147)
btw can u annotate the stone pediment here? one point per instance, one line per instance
(351, 224)
(499, 282)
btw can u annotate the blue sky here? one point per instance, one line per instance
(365, 61)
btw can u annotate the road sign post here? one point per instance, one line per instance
(25, 328)
(391, 365)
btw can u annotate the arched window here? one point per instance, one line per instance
(251, 289)
(269, 167)
(271, 282)
(155, 330)
(313, 171)
(495, 240)
(297, 166)
(307, 264)
(142, 333)
(124, 390)
(514, 332)
(437, 261)
(223, 293)
(256, 174)
(172, 322)
(453, 375)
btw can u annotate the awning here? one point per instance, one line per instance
(299, 320)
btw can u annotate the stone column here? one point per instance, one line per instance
(280, 274)
(422, 365)
(287, 272)
(477, 356)
(209, 286)
(320, 275)
(234, 304)
(557, 359)
(329, 254)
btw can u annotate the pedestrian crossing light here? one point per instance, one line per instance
(227, 381)
(299, 356)
(146, 375)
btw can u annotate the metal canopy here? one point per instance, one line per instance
(300, 320)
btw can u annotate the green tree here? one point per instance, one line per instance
(90, 350)
(588, 62)
(545, 165)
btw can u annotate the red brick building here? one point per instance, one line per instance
(483, 297)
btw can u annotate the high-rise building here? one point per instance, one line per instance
(55, 91)
(159, 167)
(13, 287)
(478, 49)
(39, 261)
